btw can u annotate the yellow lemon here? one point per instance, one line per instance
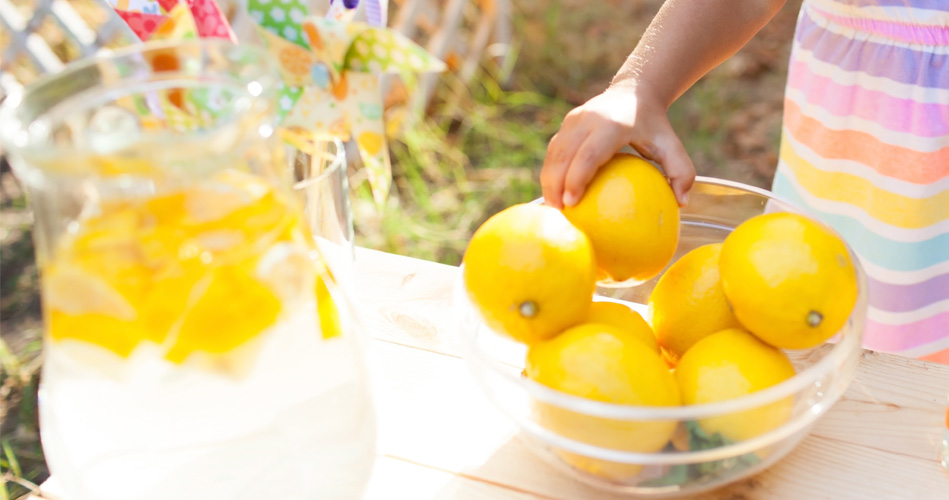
(178, 269)
(326, 308)
(232, 308)
(170, 294)
(93, 290)
(688, 302)
(603, 363)
(730, 364)
(631, 216)
(94, 284)
(530, 272)
(789, 280)
(114, 334)
(620, 316)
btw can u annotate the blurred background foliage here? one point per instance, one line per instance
(478, 149)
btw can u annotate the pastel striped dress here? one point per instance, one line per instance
(865, 147)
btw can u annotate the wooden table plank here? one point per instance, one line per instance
(828, 469)
(393, 478)
(880, 439)
(440, 438)
(406, 300)
(895, 404)
(431, 413)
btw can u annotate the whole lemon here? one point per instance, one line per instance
(730, 364)
(530, 272)
(603, 363)
(789, 280)
(631, 215)
(688, 302)
(620, 316)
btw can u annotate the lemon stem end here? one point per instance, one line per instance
(528, 309)
(814, 319)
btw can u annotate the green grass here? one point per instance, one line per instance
(21, 457)
(481, 150)
(477, 153)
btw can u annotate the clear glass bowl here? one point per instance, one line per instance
(692, 461)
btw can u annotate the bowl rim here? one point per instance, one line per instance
(848, 345)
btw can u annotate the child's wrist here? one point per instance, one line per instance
(640, 88)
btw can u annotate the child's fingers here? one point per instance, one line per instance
(596, 150)
(677, 165)
(560, 152)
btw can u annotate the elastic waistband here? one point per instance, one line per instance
(925, 22)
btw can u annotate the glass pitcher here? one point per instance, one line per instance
(197, 345)
(321, 185)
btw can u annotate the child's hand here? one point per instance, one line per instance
(592, 133)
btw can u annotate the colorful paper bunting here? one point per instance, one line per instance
(331, 71)
(147, 17)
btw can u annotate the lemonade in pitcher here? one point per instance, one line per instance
(197, 343)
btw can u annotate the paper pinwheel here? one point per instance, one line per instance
(331, 72)
(154, 20)
(166, 19)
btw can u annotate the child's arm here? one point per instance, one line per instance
(685, 40)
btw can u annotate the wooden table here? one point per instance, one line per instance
(440, 438)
